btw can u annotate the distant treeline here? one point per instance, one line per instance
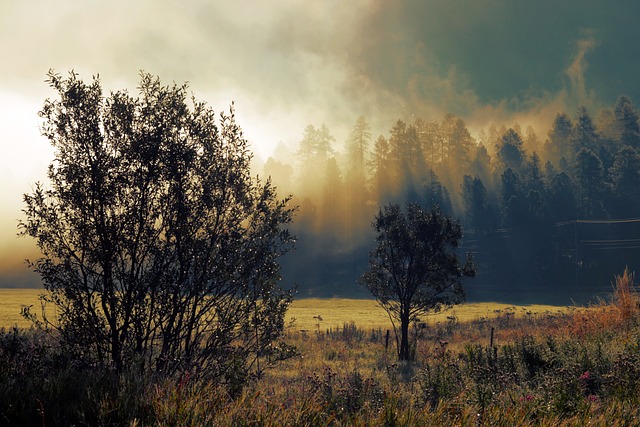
(550, 218)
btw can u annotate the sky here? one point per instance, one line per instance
(289, 63)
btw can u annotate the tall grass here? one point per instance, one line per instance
(519, 367)
(626, 296)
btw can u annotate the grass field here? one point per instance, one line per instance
(12, 301)
(303, 313)
(476, 364)
(335, 312)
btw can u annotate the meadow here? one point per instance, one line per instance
(13, 301)
(477, 364)
(311, 314)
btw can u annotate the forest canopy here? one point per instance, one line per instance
(559, 203)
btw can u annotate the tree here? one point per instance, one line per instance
(534, 178)
(159, 250)
(414, 268)
(589, 176)
(584, 132)
(558, 146)
(380, 169)
(436, 194)
(357, 145)
(510, 185)
(481, 165)
(626, 120)
(625, 180)
(280, 173)
(315, 145)
(474, 198)
(460, 143)
(510, 151)
(313, 152)
(531, 142)
(400, 156)
(430, 137)
(355, 193)
(332, 207)
(562, 198)
(511, 195)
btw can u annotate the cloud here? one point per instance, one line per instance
(577, 70)
(290, 63)
(293, 62)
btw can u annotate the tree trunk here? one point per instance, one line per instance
(404, 337)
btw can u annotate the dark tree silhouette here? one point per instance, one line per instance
(459, 142)
(436, 194)
(415, 269)
(510, 185)
(159, 249)
(430, 138)
(626, 121)
(625, 180)
(534, 178)
(380, 169)
(474, 198)
(589, 173)
(357, 146)
(584, 132)
(481, 165)
(558, 146)
(562, 198)
(510, 151)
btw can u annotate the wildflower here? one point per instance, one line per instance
(585, 376)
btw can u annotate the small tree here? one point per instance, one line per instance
(159, 249)
(414, 268)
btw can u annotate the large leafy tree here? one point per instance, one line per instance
(414, 268)
(159, 250)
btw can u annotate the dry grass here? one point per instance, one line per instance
(625, 295)
(335, 312)
(12, 302)
(546, 365)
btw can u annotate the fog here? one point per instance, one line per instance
(287, 65)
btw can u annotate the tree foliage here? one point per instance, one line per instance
(357, 146)
(509, 150)
(584, 169)
(159, 250)
(414, 268)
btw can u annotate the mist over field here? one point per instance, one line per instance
(550, 216)
(351, 106)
